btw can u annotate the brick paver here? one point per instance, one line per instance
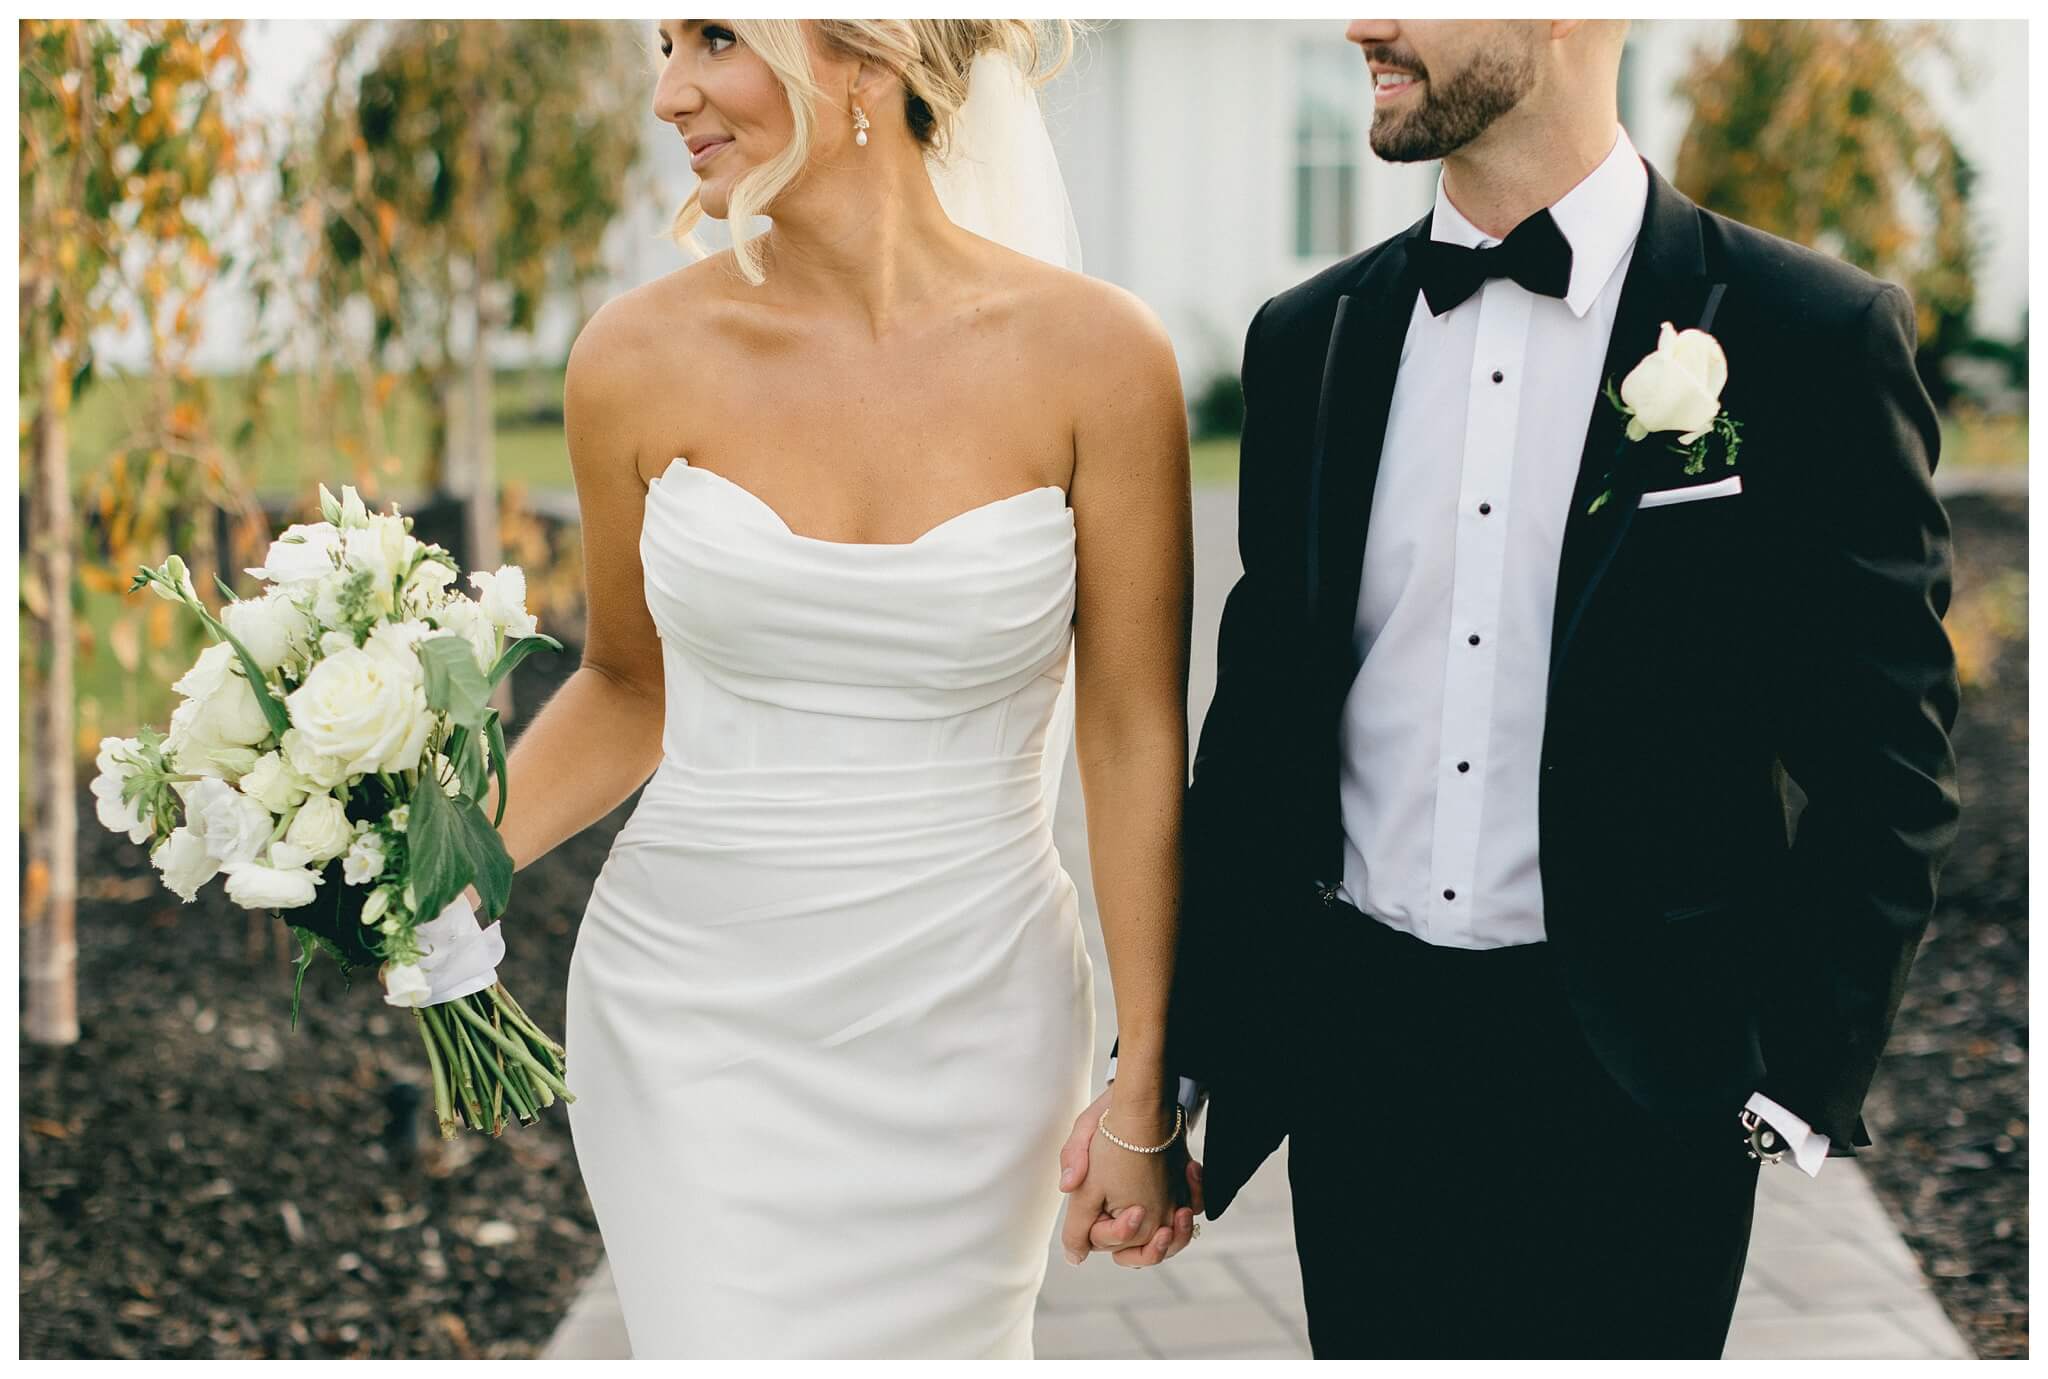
(1828, 1276)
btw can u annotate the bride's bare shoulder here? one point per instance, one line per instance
(645, 327)
(1078, 324)
(631, 363)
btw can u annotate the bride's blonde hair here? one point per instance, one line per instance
(932, 58)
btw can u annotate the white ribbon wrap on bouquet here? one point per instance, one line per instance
(458, 955)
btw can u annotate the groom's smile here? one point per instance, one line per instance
(1390, 83)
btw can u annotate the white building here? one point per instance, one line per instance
(1213, 162)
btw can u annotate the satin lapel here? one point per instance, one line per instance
(1366, 334)
(1666, 282)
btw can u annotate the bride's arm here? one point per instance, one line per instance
(1134, 540)
(598, 738)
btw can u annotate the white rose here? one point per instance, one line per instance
(503, 596)
(260, 886)
(185, 863)
(273, 783)
(405, 984)
(272, 627)
(234, 827)
(228, 713)
(1678, 388)
(364, 864)
(208, 674)
(322, 828)
(366, 709)
(117, 814)
(313, 767)
(302, 553)
(399, 642)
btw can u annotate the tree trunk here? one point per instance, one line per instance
(49, 955)
(485, 552)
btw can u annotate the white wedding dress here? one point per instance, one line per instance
(830, 1014)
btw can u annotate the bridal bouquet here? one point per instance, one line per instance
(328, 762)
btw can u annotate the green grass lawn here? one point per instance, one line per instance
(293, 449)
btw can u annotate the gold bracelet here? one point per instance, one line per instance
(1179, 1119)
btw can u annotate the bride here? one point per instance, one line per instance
(850, 492)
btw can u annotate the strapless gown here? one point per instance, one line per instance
(830, 1012)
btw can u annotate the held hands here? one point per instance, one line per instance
(1141, 1207)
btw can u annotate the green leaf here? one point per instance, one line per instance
(518, 652)
(469, 762)
(454, 684)
(498, 756)
(309, 944)
(437, 850)
(225, 592)
(487, 851)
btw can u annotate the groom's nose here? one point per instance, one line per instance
(1365, 32)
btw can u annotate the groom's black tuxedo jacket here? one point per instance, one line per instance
(1715, 940)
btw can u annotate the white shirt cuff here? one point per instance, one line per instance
(1809, 1147)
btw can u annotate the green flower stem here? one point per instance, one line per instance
(439, 1021)
(479, 1069)
(505, 1000)
(472, 1094)
(532, 1093)
(517, 1050)
(444, 1113)
(498, 1089)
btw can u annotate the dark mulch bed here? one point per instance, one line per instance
(199, 1180)
(1949, 1108)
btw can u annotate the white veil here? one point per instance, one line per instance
(1001, 180)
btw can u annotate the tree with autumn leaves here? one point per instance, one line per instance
(1817, 130)
(455, 176)
(128, 144)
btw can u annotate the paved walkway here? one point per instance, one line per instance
(1828, 1275)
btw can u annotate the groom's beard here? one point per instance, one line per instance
(1454, 113)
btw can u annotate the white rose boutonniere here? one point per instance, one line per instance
(1677, 387)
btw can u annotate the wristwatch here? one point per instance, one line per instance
(1764, 1144)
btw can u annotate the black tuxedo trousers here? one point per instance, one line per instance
(1475, 1184)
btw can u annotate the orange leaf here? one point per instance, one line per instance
(125, 637)
(35, 890)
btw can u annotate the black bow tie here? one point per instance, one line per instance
(1535, 254)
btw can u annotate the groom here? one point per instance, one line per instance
(1495, 902)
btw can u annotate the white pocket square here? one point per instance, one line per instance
(1726, 488)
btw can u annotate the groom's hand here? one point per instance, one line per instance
(1117, 1233)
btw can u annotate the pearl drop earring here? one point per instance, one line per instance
(860, 126)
